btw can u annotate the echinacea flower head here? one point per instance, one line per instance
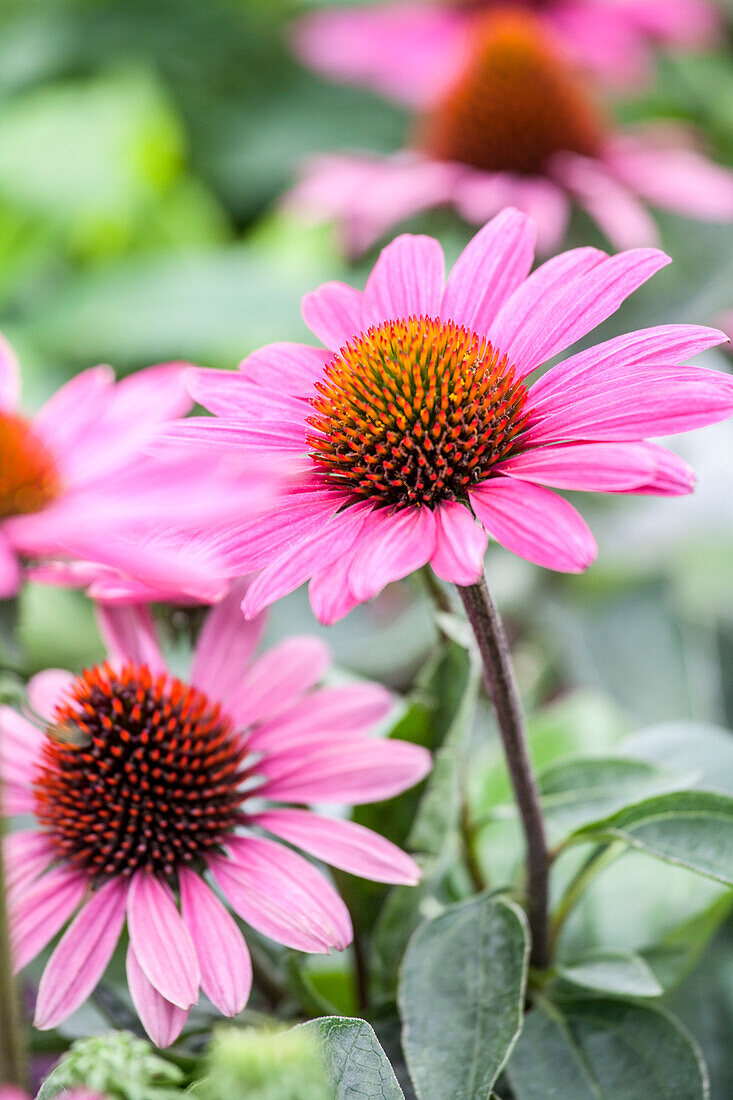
(79, 500)
(420, 433)
(411, 49)
(517, 124)
(143, 787)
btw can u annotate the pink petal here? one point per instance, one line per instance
(162, 1020)
(478, 195)
(673, 477)
(493, 264)
(26, 853)
(354, 771)
(229, 395)
(534, 523)
(225, 646)
(318, 548)
(566, 298)
(66, 417)
(129, 634)
(161, 940)
(81, 956)
(42, 911)
(594, 467)
(329, 713)
(231, 435)
(286, 671)
(460, 544)
(226, 968)
(650, 401)
(333, 313)
(646, 347)
(20, 740)
(287, 368)
(622, 217)
(406, 281)
(10, 574)
(330, 596)
(393, 544)
(282, 895)
(46, 689)
(9, 377)
(343, 844)
(677, 179)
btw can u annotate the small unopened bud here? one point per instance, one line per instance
(117, 1065)
(263, 1065)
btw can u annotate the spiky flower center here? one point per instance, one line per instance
(414, 412)
(28, 477)
(516, 103)
(138, 772)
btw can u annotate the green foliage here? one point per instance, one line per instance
(356, 1065)
(117, 1064)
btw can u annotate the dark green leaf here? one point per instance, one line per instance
(461, 997)
(355, 1062)
(605, 1050)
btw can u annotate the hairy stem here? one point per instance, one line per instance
(501, 686)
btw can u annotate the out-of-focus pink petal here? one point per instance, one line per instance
(283, 673)
(329, 713)
(602, 38)
(393, 544)
(343, 844)
(622, 217)
(566, 298)
(303, 557)
(333, 313)
(493, 264)
(129, 634)
(67, 415)
(678, 179)
(20, 739)
(226, 968)
(645, 347)
(594, 467)
(479, 195)
(225, 646)
(42, 911)
(406, 281)
(409, 50)
(10, 574)
(460, 544)
(282, 895)
(647, 402)
(46, 689)
(81, 956)
(356, 771)
(287, 368)
(162, 1020)
(9, 377)
(161, 941)
(680, 22)
(534, 523)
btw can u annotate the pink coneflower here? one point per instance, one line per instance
(77, 497)
(413, 50)
(517, 125)
(143, 787)
(419, 434)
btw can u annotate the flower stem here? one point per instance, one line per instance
(501, 686)
(12, 1047)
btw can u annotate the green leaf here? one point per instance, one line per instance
(691, 828)
(606, 1050)
(691, 748)
(355, 1062)
(461, 997)
(623, 973)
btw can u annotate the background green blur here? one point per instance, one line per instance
(144, 149)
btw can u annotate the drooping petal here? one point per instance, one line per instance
(492, 265)
(333, 313)
(406, 281)
(42, 911)
(46, 689)
(81, 956)
(329, 713)
(343, 844)
(226, 968)
(162, 1020)
(284, 672)
(225, 646)
(673, 477)
(593, 467)
(393, 544)
(287, 368)
(460, 544)
(282, 895)
(9, 377)
(356, 771)
(535, 524)
(161, 941)
(129, 634)
(479, 195)
(620, 214)
(676, 178)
